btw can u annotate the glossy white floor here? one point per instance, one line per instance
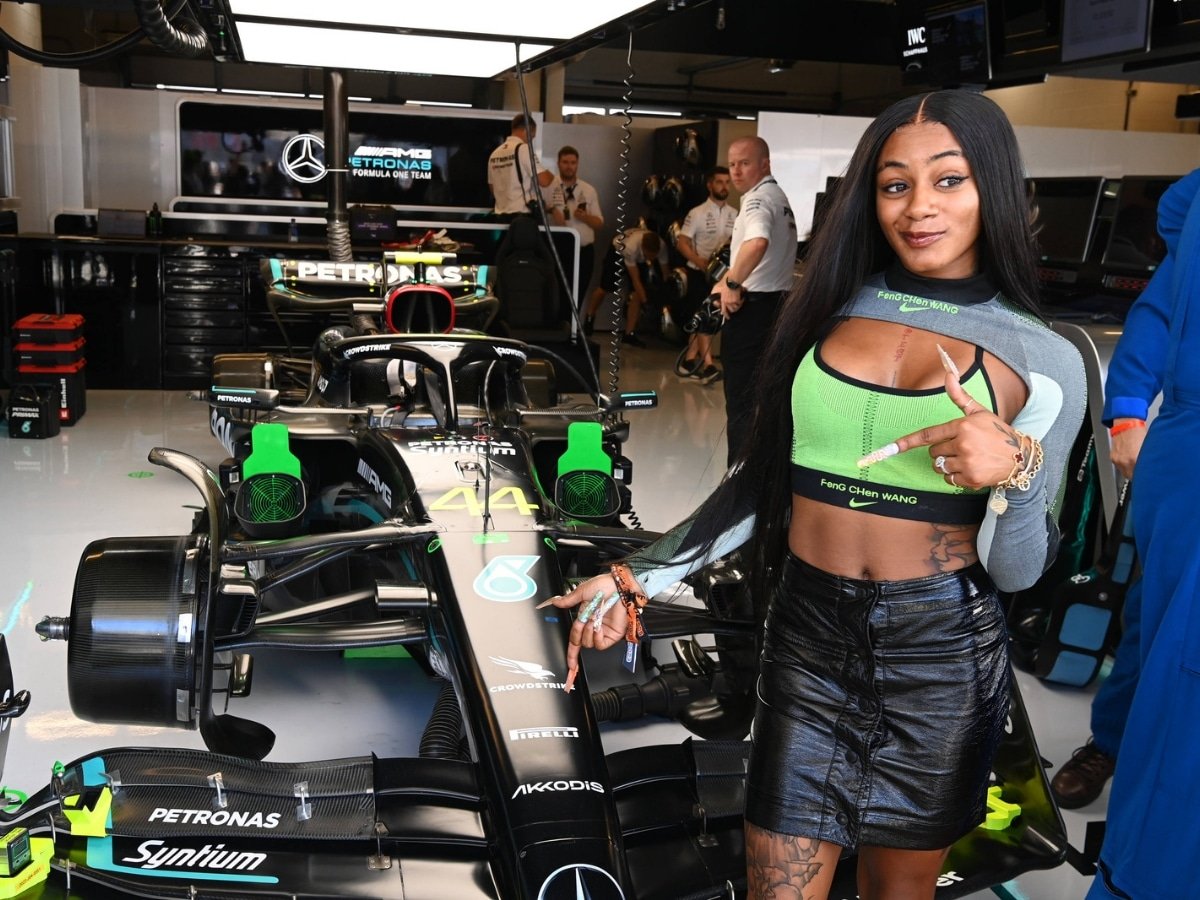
(93, 481)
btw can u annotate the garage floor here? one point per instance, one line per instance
(93, 481)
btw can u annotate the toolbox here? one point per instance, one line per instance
(31, 354)
(48, 350)
(48, 328)
(66, 383)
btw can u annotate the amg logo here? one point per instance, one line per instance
(215, 817)
(156, 854)
(541, 787)
(382, 488)
(396, 152)
(528, 734)
(233, 398)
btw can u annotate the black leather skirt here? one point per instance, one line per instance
(880, 707)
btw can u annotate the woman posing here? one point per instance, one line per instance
(913, 421)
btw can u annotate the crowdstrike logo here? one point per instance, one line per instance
(536, 674)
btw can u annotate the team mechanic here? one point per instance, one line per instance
(706, 229)
(515, 174)
(762, 256)
(923, 417)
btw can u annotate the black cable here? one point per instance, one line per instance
(187, 38)
(83, 57)
(618, 321)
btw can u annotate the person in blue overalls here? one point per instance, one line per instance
(1152, 842)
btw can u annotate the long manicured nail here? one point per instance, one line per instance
(546, 603)
(947, 362)
(879, 455)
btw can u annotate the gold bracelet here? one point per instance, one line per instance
(1027, 463)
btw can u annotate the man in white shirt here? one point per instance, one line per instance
(579, 206)
(515, 174)
(705, 229)
(628, 264)
(762, 259)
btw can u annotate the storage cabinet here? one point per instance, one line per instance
(203, 312)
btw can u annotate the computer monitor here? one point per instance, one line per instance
(1134, 244)
(1066, 218)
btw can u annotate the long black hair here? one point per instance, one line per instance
(847, 248)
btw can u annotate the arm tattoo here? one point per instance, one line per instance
(780, 866)
(952, 547)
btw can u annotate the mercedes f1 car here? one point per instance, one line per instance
(405, 490)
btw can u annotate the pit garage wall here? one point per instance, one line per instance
(805, 149)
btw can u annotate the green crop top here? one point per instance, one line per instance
(836, 420)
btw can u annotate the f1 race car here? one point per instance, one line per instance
(405, 490)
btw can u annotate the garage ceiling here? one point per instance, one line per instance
(842, 60)
(742, 56)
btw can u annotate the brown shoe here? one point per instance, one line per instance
(1082, 778)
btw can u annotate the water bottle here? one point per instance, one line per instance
(293, 232)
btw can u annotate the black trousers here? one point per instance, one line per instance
(743, 340)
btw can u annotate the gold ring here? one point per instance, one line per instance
(952, 481)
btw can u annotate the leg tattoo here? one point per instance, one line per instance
(782, 866)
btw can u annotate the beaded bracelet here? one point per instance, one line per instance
(1127, 425)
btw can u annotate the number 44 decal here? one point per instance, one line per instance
(465, 498)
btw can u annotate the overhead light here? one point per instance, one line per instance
(260, 92)
(577, 110)
(616, 110)
(185, 87)
(746, 118)
(775, 66)
(437, 103)
(379, 51)
(544, 21)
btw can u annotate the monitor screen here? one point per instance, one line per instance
(1097, 28)
(945, 45)
(1066, 218)
(248, 152)
(1134, 243)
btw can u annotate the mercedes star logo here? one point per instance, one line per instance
(303, 158)
(580, 882)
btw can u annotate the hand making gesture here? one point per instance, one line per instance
(978, 450)
(602, 622)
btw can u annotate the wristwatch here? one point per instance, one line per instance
(736, 285)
